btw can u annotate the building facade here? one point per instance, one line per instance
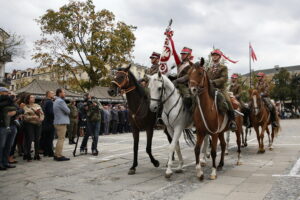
(4, 56)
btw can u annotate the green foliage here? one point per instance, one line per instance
(282, 89)
(79, 36)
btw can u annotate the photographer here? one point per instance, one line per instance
(8, 129)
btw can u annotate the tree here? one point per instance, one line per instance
(77, 36)
(295, 89)
(10, 45)
(281, 91)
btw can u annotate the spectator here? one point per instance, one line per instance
(114, 120)
(122, 119)
(72, 128)
(61, 120)
(47, 126)
(7, 131)
(106, 120)
(33, 117)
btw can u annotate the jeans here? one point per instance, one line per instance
(93, 129)
(7, 138)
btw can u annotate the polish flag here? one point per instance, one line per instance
(252, 53)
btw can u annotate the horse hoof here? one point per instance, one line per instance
(226, 153)
(271, 148)
(203, 164)
(213, 177)
(156, 163)
(201, 178)
(131, 172)
(219, 168)
(238, 163)
(168, 175)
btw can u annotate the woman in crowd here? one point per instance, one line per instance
(33, 117)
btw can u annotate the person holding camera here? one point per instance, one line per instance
(33, 118)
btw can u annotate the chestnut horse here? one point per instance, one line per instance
(260, 117)
(140, 116)
(208, 120)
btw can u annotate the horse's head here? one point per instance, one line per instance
(120, 81)
(156, 87)
(255, 100)
(197, 78)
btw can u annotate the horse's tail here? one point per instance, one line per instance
(189, 137)
(278, 128)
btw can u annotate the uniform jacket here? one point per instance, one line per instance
(236, 89)
(219, 76)
(263, 88)
(153, 70)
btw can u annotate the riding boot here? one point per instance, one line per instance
(231, 118)
(273, 118)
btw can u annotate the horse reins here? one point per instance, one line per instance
(123, 83)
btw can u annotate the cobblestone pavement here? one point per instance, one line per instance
(273, 175)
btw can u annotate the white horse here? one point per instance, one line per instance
(175, 116)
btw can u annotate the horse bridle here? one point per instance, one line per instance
(200, 88)
(160, 101)
(125, 82)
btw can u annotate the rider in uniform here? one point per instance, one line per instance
(218, 75)
(235, 87)
(155, 64)
(263, 89)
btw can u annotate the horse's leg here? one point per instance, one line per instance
(213, 174)
(256, 128)
(178, 151)
(238, 140)
(272, 139)
(263, 129)
(223, 147)
(269, 136)
(149, 147)
(246, 136)
(177, 133)
(227, 142)
(169, 139)
(200, 138)
(136, 138)
(203, 160)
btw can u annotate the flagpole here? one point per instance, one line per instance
(250, 74)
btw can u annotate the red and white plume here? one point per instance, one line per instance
(252, 53)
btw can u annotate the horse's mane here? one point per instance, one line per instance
(139, 88)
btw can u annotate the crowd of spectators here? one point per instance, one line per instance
(25, 121)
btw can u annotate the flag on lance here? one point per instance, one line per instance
(252, 53)
(167, 51)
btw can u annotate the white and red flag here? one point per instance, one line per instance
(252, 53)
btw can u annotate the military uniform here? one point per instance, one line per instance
(236, 90)
(218, 75)
(72, 128)
(263, 89)
(153, 70)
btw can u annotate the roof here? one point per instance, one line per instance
(39, 88)
(101, 93)
(276, 69)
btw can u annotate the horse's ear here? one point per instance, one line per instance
(202, 62)
(128, 68)
(159, 74)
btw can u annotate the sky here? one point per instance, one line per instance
(272, 26)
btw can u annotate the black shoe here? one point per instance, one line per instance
(95, 152)
(10, 166)
(61, 158)
(37, 157)
(2, 168)
(274, 124)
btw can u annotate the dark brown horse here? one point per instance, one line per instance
(260, 117)
(140, 116)
(207, 118)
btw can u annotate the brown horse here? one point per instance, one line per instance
(207, 118)
(260, 117)
(140, 116)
